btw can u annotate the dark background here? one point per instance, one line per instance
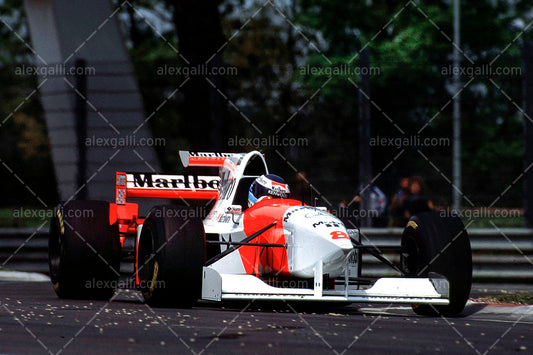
(270, 45)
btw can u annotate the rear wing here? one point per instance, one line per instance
(148, 185)
(207, 159)
(225, 161)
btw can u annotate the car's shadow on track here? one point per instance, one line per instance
(133, 296)
(390, 310)
(394, 310)
(472, 308)
(285, 306)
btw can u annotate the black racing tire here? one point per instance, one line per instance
(83, 251)
(432, 243)
(171, 257)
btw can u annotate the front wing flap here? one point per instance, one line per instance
(225, 287)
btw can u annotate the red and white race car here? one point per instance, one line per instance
(277, 249)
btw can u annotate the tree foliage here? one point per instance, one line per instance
(273, 46)
(26, 165)
(411, 45)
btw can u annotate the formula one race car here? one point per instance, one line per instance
(277, 249)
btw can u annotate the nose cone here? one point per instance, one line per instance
(315, 235)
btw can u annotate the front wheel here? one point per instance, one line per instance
(437, 244)
(171, 257)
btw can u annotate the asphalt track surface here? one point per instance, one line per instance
(34, 321)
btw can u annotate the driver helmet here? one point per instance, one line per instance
(267, 185)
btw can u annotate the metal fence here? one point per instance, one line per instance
(24, 249)
(504, 255)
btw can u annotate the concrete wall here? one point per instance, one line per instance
(63, 31)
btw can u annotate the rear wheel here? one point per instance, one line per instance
(83, 250)
(433, 244)
(171, 257)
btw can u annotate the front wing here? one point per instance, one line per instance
(224, 287)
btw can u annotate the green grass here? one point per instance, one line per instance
(517, 298)
(24, 217)
(500, 222)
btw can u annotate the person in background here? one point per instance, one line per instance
(377, 207)
(416, 202)
(301, 188)
(395, 208)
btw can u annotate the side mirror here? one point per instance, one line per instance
(234, 209)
